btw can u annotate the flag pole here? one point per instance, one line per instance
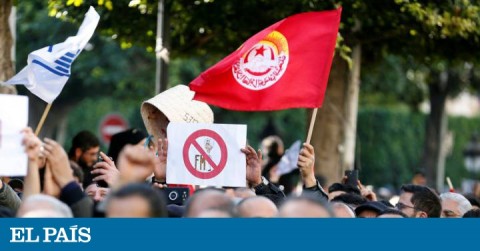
(450, 186)
(312, 122)
(42, 120)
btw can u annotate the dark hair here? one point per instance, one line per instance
(121, 139)
(472, 213)
(83, 140)
(343, 187)
(393, 211)
(474, 201)
(424, 199)
(350, 199)
(420, 173)
(289, 181)
(156, 202)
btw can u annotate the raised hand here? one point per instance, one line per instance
(135, 164)
(33, 148)
(58, 162)
(367, 193)
(50, 186)
(306, 163)
(106, 170)
(254, 165)
(160, 170)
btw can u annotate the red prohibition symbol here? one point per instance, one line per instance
(192, 142)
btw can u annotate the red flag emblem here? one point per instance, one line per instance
(284, 66)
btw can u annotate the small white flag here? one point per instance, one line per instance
(48, 68)
(289, 160)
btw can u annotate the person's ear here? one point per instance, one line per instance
(421, 214)
(78, 153)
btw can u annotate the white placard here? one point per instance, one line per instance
(206, 154)
(13, 118)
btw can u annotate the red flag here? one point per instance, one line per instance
(284, 66)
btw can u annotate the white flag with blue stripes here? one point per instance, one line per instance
(48, 69)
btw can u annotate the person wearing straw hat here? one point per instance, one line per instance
(173, 105)
(177, 105)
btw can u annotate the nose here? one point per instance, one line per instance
(98, 196)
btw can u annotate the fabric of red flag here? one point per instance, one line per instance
(284, 66)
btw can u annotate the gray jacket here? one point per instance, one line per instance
(8, 197)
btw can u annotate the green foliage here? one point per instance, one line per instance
(390, 144)
(196, 28)
(392, 83)
(457, 18)
(462, 128)
(88, 113)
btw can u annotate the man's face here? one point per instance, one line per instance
(89, 157)
(128, 207)
(405, 205)
(97, 193)
(450, 209)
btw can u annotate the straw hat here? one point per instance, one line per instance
(173, 105)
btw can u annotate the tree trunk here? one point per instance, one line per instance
(351, 110)
(6, 42)
(433, 157)
(162, 48)
(328, 133)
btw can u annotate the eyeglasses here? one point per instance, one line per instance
(400, 206)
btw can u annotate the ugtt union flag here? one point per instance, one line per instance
(284, 66)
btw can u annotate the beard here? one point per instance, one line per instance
(82, 163)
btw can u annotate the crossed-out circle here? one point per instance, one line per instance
(192, 141)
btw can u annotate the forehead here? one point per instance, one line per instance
(449, 203)
(405, 197)
(94, 188)
(92, 149)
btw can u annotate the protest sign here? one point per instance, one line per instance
(206, 154)
(13, 118)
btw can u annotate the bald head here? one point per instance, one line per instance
(214, 213)
(243, 192)
(44, 206)
(341, 210)
(206, 200)
(259, 206)
(305, 207)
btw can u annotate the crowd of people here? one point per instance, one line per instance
(70, 185)
(130, 181)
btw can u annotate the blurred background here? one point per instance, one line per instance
(402, 97)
